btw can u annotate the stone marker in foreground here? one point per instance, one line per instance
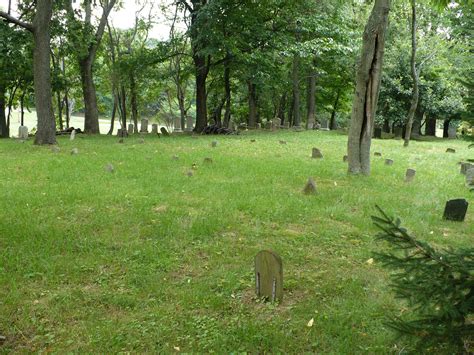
(131, 127)
(269, 276)
(23, 132)
(73, 135)
(316, 154)
(310, 187)
(410, 175)
(450, 150)
(144, 126)
(465, 167)
(455, 210)
(388, 162)
(154, 128)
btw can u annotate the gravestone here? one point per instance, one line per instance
(144, 126)
(324, 125)
(345, 158)
(268, 125)
(269, 276)
(377, 154)
(208, 160)
(465, 167)
(131, 127)
(282, 142)
(164, 131)
(470, 177)
(121, 132)
(258, 126)
(388, 162)
(310, 187)
(252, 141)
(189, 173)
(378, 132)
(452, 132)
(23, 132)
(74, 151)
(177, 125)
(189, 124)
(154, 128)
(398, 131)
(286, 125)
(410, 175)
(455, 210)
(316, 154)
(73, 135)
(450, 150)
(310, 125)
(276, 123)
(109, 168)
(214, 144)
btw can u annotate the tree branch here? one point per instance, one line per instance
(15, 21)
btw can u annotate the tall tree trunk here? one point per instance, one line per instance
(60, 110)
(4, 132)
(296, 91)
(282, 108)
(446, 128)
(22, 108)
(228, 94)
(134, 101)
(311, 100)
(66, 103)
(414, 76)
(202, 70)
(91, 114)
(368, 79)
(10, 104)
(112, 119)
(252, 104)
(123, 108)
(332, 123)
(46, 129)
(430, 129)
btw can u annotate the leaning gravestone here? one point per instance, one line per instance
(410, 175)
(131, 127)
(450, 150)
(144, 126)
(465, 167)
(73, 135)
(164, 131)
(310, 187)
(455, 210)
(269, 276)
(316, 154)
(23, 132)
(388, 162)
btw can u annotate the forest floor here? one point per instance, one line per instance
(147, 258)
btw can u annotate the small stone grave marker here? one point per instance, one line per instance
(144, 126)
(269, 276)
(310, 187)
(388, 162)
(73, 135)
(345, 158)
(455, 210)
(377, 154)
(450, 150)
(316, 154)
(131, 127)
(410, 175)
(164, 131)
(282, 142)
(74, 151)
(214, 144)
(470, 177)
(208, 160)
(154, 128)
(189, 173)
(252, 140)
(23, 132)
(465, 167)
(109, 168)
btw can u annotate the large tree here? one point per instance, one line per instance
(368, 79)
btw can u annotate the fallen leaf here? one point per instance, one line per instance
(310, 323)
(370, 261)
(176, 348)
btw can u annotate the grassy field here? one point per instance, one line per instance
(149, 259)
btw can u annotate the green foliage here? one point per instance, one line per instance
(437, 284)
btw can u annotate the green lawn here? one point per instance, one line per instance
(149, 259)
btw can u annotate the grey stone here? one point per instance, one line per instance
(131, 128)
(286, 125)
(164, 131)
(470, 177)
(410, 175)
(74, 151)
(177, 125)
(73, 135)
(450, 150)
(23, 132)
(276, 123)
(324, 125)
(55, 149)
(258, 126)
(144, 126)
(154, 128)
(214, 144)
(452, 132)
(455, 210)
(398, 131)
(269, 276)
(109, 168)
(388, 162)
(189, 124)
(310, 187)
(190, 173)
(316, 154)
(465, 167)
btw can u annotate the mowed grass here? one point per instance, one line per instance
(148, 259)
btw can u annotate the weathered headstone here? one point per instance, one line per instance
(258, 125)
(455, 210)
(177, 125)
(378, 132)
(109, 168)
(310, 187)
(310, 125)
(286, 125)
(470, 177)
(268, 125)
(154, 128)
(377, 154)
(345, 158)
(398, 131)
(324, 125)
(190, 173)
(23, 132)
(276, 123)
(252, 140)
(450, 150)
(189, 123)
(131, 128)
(465, 167)
(410, 175)
(214, 144)
(164, 131)
(316, 154)
(122, 132)
(74, 151)
(144, 126)
(452, 132)
(73, 135)
(388, 162)
(269, 276)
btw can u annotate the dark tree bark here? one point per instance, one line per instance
(414, 75)
(202, 69)
(123, 108)
(252, 104)
(296, 91)
(60, 110)
(430, 129)
(369, 74)
(311, 99)
(228, 93)
(332, 123)
(112, 119)
(134, 101)
(4, 132)
(22, 108)
(282, 108)
(446, 128)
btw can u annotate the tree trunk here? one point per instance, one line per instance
(46, 130)
(332, 123)
(446, 128)
(60, 110)
(430, 129)
(123, 105)
(228, 94)
(311, 98)
(252, 104)
(91, 114)
(134, 102)
(201, 95)
(112, 119)
(414, 75)
(4, 132)
(368, 79)
(22, 108)
(296, 92)
(282, 108)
